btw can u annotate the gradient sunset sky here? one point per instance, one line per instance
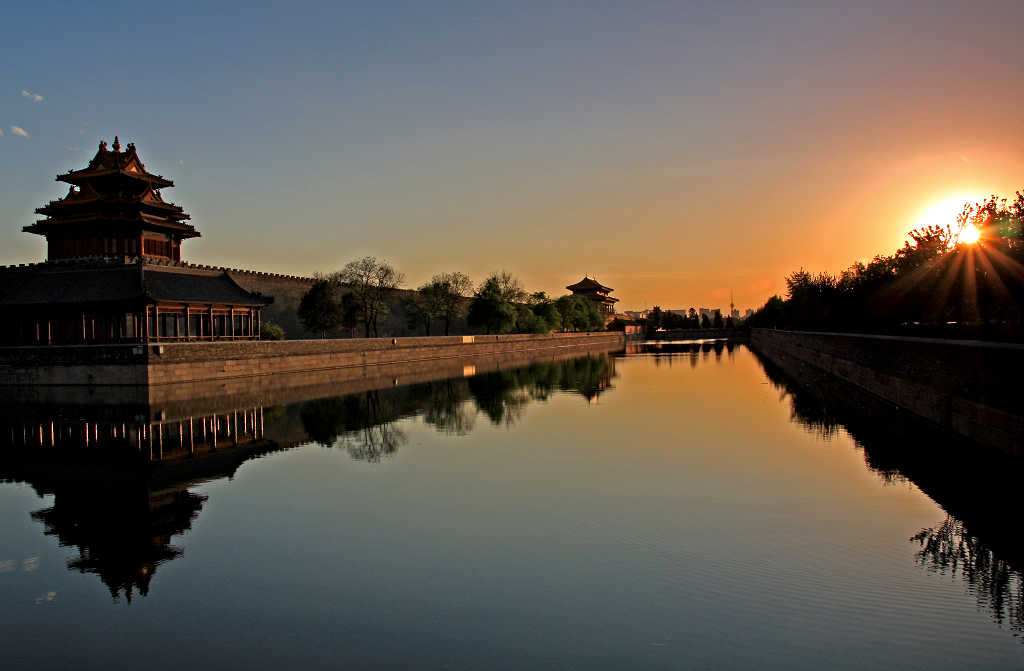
(673, 150)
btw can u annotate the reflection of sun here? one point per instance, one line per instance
(969, 235)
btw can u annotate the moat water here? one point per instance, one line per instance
(681, 506)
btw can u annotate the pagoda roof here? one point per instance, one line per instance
(588, 284)
(72, 284)
(108, 162)
(77, 199)
(140, 219)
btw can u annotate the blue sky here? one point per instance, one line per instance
(675, 150)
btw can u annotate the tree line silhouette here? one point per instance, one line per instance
(938, 280)
(365, 291)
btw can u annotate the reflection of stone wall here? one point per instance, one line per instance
(967, 387)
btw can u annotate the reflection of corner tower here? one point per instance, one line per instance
(596, 292)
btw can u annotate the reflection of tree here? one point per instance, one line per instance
(363, 422)
(500, 396)
(447, 407)
(503, 396)
(950, 549)
(370, 443)
(978, 541)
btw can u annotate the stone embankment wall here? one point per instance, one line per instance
(178, 363)
(970, 388)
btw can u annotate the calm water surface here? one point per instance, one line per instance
(681, 507)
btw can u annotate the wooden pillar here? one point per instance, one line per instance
(231, 322)
(83, 327)
(156, 321)
(210, 313)
(258, 325)
(145, 324)
(191, 437)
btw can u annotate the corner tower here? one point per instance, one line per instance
(113, 208)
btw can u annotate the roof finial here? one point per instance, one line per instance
(117, 144)
(103, 145)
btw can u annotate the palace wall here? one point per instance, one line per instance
(204, 362)
(967, 387)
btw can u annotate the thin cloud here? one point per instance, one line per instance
(34, 97)
(19, 131)
(1, 132)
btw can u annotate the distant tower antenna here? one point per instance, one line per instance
(732, 304)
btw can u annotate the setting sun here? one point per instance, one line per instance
(945, 212)
(969, 235)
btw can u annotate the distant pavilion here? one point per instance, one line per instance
(113, 272)
(596, 292)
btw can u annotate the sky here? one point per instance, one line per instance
(675, 151)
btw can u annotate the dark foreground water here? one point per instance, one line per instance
(683, 507)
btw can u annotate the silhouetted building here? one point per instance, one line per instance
(113, 271)
(594, 291)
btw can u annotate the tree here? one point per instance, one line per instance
(545, 310)
(319, 310)
(451, 288)
(510, 287)
(371, 283)
(424, 305)
(705, 323)
(717, 323)
(489, 310)
(579, 314)
(271, 331)
(349, 313)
